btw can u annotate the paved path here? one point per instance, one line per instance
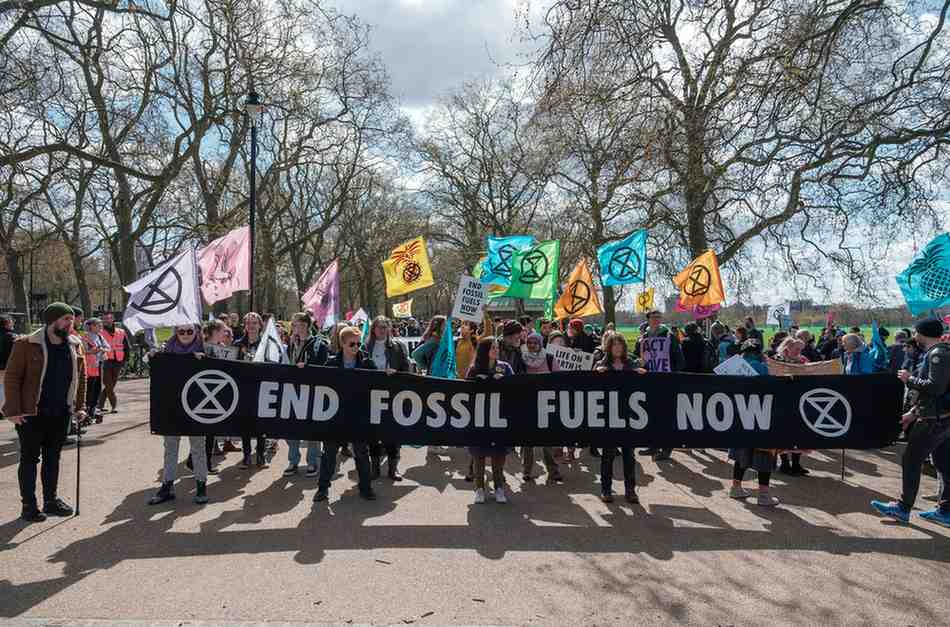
(261, 551)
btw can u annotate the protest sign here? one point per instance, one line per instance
(470, 300)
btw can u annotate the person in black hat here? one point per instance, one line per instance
(927, 424)
(44, 383)
(509, 348)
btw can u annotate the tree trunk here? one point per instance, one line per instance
(85, 301)
(20, 298)
(696, 183)
(610, 305)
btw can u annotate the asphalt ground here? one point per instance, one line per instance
(262, 551)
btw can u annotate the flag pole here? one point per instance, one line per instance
(78, 463)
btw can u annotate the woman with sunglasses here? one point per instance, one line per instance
(488, 368)
(185, 341)
(253, 327)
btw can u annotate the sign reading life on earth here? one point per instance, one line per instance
(217, 397)
(655, 352)
(470, 300)
(570, 359)
(736, 366)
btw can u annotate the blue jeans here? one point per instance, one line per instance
(313, 453)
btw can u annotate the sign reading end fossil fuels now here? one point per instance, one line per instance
(217, 397)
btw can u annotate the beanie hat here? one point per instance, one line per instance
(55, 311)
(577, 324)
(512, 327)
(536, 337)
(77, 311)
(931, 327)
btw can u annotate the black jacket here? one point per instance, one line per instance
(313, 353)
(362, 361)
(396, 355)
(6, 347)
(583, 342)
(512, 356)
(694, 353)
(932, 383)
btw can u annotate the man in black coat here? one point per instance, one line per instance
(391, 356)
(350, 357)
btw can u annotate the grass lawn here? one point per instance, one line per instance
(632, 333)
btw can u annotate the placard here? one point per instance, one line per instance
(570, 359)
(655, 352)
(222, 352)
(470, 300)
(736, 366)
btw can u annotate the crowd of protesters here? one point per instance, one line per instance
(42, 402)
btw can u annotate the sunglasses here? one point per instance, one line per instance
(186, 332)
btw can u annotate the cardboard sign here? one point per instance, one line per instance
(736, 366)
(655, 352)
(470, 300)
(570, 359)
(780, 368)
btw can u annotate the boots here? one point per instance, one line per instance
(201, 492)
(165, 493)
(376, 468)
(393, 471)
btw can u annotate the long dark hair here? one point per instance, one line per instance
(436, 325)
(481, 364)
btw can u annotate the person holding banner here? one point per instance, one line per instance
(617, 359)
(509, 349)
(659, 350)
(349, 358)
(426, 351)
(856, 358)
(247, 345)
(488, 367)
(578, 339)
(789, 351)
(303, 350)
(390, 356)
(538, 361)
(185, 341)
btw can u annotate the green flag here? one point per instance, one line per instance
(534, 271)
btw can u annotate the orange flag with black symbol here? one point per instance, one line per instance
(579, 298)
(700, 282)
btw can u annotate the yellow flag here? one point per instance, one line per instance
(403, 310)
(700, 282)
(644, 302)
(407, 268)
(579, 298)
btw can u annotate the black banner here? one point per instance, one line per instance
(218, 397)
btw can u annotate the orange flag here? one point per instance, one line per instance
(700, 282)
(579, 298)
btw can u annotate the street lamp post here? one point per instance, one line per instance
(252, 107)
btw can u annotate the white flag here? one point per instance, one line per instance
(167, 296)
(359, 317)
(271, 350)
(778, 314)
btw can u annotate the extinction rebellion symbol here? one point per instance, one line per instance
(624, 264)
(215, 396)
(825, 412)
(644, 300)
(579, 293)
(698, 281)
(503, 265)
(162, 295)
(534, 267)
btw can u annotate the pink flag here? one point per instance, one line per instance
(699, 311)
(323, 298)
(226, 265)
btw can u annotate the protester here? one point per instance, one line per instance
(694, 350)
(488, 367)
(334, 347)
(44, 382)
(350, 357)
(7, 337)
(790, 351)
(556, 339)
(547, 327)
(465, 348)
(578, 339)
(753, 332)
(247, 345)
(185, 341)
(856, 358)
(895, 352)
(538, 361)
(655, 328)
(304, 350)
(616, 359)
(760, 460)
(389, 356)
(425, 352)
(118, 342)
(509, 349)
(927, 425)
(810, 352)
(727, 344)
(94, 348)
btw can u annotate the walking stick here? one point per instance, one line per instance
(78, 462)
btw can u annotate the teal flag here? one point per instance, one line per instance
(925, 283)
(443, 364)
(365, 334)
(534, 272)
(501, 250)
(624, 261)
(878, 349)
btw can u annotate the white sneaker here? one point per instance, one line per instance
(479, 496)
(766, 500)
(738, 492)
(500, 495)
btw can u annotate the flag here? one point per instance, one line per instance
(579, 298)
(624, 261)
(501, 251)
(698, 311)
(494, 290)
(407, 268)
(402, 310)
(323, 297)
(167, 296)
(925, 283)
(359, 317)
(364, 335)
(443, 363)
(644, 302)
(778, 313)
(878, 349)
(700, 282)
(271, 350)
(534, 271)
(226, 265)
